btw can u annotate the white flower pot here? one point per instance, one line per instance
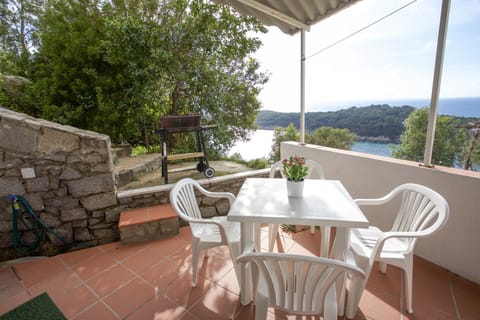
(295, 188)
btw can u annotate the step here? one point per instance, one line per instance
(128, 169)
(120, 151)
(148, 223)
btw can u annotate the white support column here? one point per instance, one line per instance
(302, 87)
(437, 77)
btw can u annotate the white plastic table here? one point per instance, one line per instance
(324, 203)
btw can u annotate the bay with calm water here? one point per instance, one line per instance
(260, 145)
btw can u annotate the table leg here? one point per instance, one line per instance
(342, 238)
(325, 245)
(248, 244)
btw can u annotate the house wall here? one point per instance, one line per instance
(455, 246)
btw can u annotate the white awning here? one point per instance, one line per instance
(290, 16)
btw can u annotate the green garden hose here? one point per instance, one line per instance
(30, 222)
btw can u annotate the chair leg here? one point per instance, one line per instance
(195, 253)
(272, 235)
(382, 266)
(330, 304)
(408, 277)
(357, 286)
(312, 229)
(261, 307)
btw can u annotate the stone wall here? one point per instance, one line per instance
(208, 206)
(65, 173)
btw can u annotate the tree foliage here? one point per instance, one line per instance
(323, 136)
(449, 141)
(332, 137)
(19, 21)
(117, 66)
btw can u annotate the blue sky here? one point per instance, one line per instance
(392, 60)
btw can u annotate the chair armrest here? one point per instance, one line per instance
(211, 194)
(378, 201)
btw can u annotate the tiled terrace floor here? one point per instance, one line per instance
(152, 281)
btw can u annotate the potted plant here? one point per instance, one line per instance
(295, 170)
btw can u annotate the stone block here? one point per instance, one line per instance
(151, 223)
(99, 201)
(82, 234)
(11, 163)
(73, 214)
(40, 184)
(16, 135)
(222, 206)
(11, 185)
(62, 202)
(208, 212)
(51, 141)
(70, 174)
(91, 185)
(35, 200)
(51, 220)
(113, 215)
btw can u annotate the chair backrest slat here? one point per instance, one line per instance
(298, 284)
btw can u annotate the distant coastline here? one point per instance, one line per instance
(459, 107)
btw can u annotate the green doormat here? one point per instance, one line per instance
(39, 308)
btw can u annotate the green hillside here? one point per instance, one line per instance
(378, 122)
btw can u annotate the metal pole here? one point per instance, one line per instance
(302, 87)
(437, 77)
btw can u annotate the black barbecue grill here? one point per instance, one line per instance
(185, 123)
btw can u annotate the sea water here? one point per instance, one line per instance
(260, 145)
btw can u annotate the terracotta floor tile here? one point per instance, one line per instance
(229, 281)
(158, 308)
(73, 301)
(164, 287)
(378, 304)
(467, 295)
(38, 270)
(9, 284)
(162, 275)
(11, 302)
(168, 246)
(92, 267)
(120, 252)
(60, 283)
(188, 316)
(80, 256)
(130, 297)
(390, 281)
(98, 311)
(217, 303)
(109, 280)
(143, 260)
(214, 267)
(181, 291)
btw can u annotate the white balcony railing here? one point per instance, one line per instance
(455, 247)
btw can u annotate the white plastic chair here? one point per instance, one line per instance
(422, 212)
(315, 170)
(206, 233)
(297, 284)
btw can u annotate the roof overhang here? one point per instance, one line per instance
(288, 15)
